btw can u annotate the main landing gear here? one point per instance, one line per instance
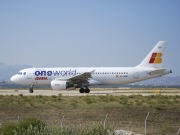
(31, 89)
(86, 90)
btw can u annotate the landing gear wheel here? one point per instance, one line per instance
(87, 90)
(30, 90)
(81, 90)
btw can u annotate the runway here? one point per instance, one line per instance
(94, 91)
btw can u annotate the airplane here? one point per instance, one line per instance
(83, 77)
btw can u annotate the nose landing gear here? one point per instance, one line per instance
(31, 89)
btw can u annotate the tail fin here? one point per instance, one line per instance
(155, 58)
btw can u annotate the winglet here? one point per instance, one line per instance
(155, 58)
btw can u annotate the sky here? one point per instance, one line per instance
(88, 33)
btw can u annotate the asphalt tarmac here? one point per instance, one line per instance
(97, 92)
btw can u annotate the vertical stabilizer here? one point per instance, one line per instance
(155, 58)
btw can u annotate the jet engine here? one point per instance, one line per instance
(61, 85)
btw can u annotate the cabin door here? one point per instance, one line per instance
(29, 74)
(135, 73)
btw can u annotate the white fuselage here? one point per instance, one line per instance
(101, 75)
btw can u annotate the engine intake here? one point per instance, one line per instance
(61, 85)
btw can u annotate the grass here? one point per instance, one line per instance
(25, 126)
(88, 101)
(34, 126)
(124, 112)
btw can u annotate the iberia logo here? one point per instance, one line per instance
(156, 58)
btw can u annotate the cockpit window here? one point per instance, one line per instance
(19, 73)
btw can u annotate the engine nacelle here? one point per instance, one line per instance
(60, 85)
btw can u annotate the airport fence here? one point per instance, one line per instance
(156, 122)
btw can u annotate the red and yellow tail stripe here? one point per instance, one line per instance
(156, 58)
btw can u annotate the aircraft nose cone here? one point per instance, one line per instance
(13, 79)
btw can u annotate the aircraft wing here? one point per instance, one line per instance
(157, 71)
(84, 78)
(81, 78)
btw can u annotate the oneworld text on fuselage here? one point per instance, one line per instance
(69, 72)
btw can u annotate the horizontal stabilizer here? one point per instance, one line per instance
(158, 71)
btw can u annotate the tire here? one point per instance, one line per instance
(87, 90)
(30, 90)
(81, 90)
